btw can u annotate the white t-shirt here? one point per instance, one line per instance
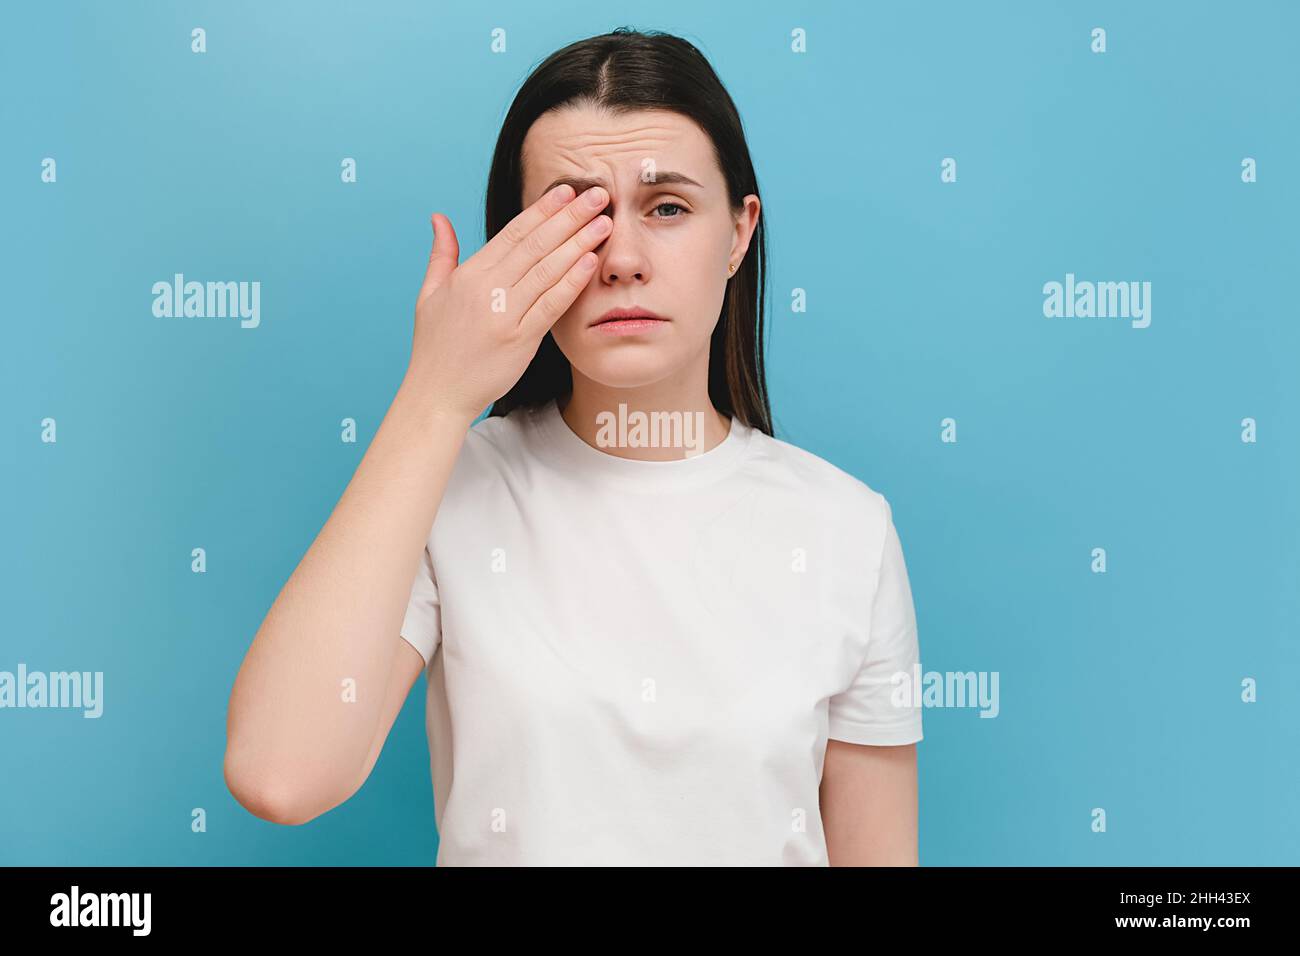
(639, 662)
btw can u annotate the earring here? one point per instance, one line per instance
(731, 268)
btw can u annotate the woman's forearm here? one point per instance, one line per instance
(306, 702)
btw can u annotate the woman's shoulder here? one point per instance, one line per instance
(495, 440)
(809, 475)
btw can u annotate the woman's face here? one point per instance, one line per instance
(674, 235)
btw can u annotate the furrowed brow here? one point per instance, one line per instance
(582, 183)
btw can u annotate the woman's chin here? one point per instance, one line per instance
(624, 367)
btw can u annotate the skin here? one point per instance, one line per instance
(869, 804)
(294, 749)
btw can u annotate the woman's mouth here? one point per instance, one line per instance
(628, 326)
(630, 321)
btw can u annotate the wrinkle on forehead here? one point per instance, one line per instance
(642, 137)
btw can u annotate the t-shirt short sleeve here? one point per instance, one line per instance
(877, 708)
(422, 626)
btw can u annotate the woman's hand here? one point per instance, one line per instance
(479, 324)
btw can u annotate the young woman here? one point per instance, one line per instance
(652, 632)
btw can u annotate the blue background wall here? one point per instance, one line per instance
(1119, 690)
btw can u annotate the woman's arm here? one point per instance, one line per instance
(296, 745)
(869, 804)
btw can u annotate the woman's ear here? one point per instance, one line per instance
(746, 223)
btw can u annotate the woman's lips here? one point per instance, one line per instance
(635, 326)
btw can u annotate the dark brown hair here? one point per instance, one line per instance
(623, 71)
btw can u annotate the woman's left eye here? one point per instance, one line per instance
(671, 205)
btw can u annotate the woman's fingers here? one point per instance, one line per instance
(550, 235)
(558, 264)
(555, 300)
(518, 228)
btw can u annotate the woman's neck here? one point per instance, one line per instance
(662, 421)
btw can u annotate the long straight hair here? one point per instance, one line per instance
(623, 71)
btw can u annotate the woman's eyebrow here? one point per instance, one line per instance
(582, 183)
